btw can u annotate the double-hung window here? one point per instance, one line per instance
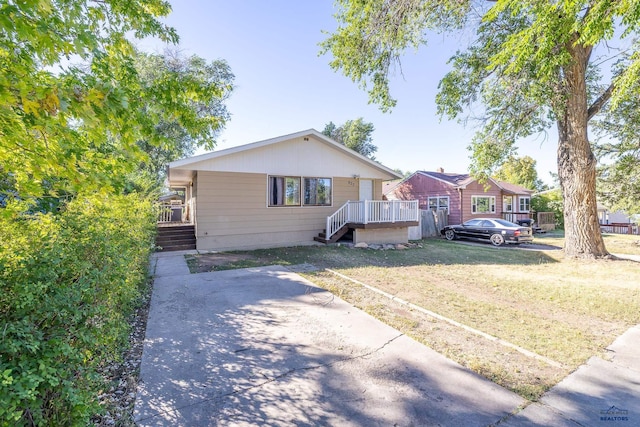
(483, 204)
(299, 191)
(438, 203)
(507, 204)
(525, 204)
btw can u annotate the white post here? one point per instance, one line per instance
(366, 211)
(328, 229)
(394, 205)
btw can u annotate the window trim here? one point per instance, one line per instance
(507, 206)
(474, 205)
(522, 199)
(270, 194)
(301, 196)
(438, 207)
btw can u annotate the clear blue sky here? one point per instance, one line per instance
(284, 86)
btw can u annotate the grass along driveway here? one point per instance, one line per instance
(566, 311)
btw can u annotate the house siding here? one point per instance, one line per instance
(476, 189)
(420, 187)
(306, 156)
(233, 212)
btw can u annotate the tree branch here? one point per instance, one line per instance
(599, 103)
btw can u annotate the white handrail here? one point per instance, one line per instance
(165, 212)
(372, 211)
(337, 220)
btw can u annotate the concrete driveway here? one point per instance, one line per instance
(264, 346)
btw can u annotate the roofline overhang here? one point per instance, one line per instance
(183, 164)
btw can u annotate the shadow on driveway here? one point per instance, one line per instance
(263, 346)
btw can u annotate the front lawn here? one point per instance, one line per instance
(615, 243)
(566, 311)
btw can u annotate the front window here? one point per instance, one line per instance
(525, 204)
(439, 203)
(284, 191)
(317, 191)
(296, 191)
(483, 204)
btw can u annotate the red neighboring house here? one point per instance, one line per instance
(462, 196)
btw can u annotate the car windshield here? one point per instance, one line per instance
(506, 223)
(472, 223)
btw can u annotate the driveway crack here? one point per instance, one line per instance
(276, 378)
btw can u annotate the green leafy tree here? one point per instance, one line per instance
(619, 149)
(355, 134)
(203, 86)
(521, 171)
(403, 173)
(532, 66)
(619, 184)
(81, 109)
(76, 109)
(69, 96)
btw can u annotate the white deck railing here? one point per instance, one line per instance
(372, 211)
(171, 212)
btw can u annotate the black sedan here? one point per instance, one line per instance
(496, 230)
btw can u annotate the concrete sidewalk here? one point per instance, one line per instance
(263, 346)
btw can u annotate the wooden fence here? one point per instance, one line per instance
(546, 221)
(431, 222)
(620, 228)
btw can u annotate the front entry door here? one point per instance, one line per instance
(366, 189)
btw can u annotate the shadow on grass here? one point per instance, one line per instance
(427, 252)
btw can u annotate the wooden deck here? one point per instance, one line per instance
(370, 214)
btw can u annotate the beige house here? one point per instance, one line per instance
(291, 190)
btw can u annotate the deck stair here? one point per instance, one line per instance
(322, 237)
(176, 238)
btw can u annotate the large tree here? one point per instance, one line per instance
(80, 108)
(201, 87)
(355, 134)
(532, 66)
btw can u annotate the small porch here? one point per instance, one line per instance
(377, 219)
(176, 228)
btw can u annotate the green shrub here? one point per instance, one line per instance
(68, 282)
(550, 201)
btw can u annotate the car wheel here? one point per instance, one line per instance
(497, 239)
(449, 234)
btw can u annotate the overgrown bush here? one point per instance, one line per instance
(68, 282)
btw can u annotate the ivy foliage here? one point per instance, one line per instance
(68, 283)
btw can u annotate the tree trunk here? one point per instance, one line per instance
(577, 166)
